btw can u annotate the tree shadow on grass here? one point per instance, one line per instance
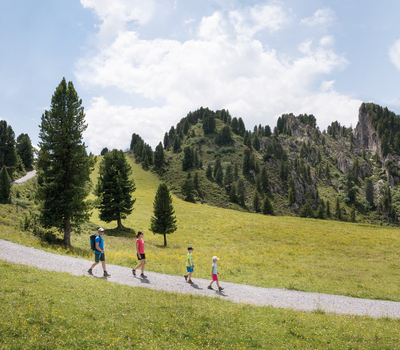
(121, 232)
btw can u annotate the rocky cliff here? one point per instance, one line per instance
(365, 135)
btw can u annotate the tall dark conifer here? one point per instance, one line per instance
(65, 165)
(163, 220)
(5, 186)
(115, 188)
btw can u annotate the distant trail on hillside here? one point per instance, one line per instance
(238, 293)
(29, 175)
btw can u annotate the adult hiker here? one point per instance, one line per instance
(99, 253)
(140, 254)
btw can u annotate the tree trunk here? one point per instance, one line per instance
(165, 240)
(67, 233)
(119, 222)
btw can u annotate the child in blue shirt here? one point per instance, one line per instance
(214, 273)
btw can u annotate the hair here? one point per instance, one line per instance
(138, 234)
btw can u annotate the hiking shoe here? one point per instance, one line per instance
(190, 281)
(142, 275)
(106, 274)
(209, 287)
(134, 272)
(220, 288)
(185, 278)
(90, 272)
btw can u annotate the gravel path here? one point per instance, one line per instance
(29, 175)
(238, 293)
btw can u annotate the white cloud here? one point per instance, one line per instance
(394, 54)
(116, 14)
(215, 70)
(327, 40)
(190, 20)
(321, 17)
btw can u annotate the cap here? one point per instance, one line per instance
(215, 258)
(101, 229)
(190, 248)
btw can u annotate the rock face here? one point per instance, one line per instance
(365, 134)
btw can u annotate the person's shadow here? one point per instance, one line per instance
(195, 286)
(144, 280)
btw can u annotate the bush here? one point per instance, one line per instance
(306, 211)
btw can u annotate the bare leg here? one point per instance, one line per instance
(103, 263)
(143, 264)
(93, 265)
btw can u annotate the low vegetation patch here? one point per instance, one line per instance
(89, 313)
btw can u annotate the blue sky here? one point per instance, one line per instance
(140, 66)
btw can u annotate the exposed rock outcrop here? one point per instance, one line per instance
(365, 134)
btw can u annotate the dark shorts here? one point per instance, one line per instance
(99, 257)
(189, 269)
(142, 256)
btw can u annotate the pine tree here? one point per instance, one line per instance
(166, 141)
(256, 202)
(209, 171)
(328, 209)
(369, 192)
(8, 152)
(240, 191)
(246, 161)
(196, 181)
(217, 166)
(353, 213)
(188, 189)
(177, 145)
(159, 156)
(236, 170)
(267, 208)
(25, 150)
(115, 188)
(338, 210)
(5, 186)
(219, 177)
(187, 161)
(264, 179)
(163, 220)
(232, 194)
(320, 212)
(64, 163)
(104, 151)
(229, 177)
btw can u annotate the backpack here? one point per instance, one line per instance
(93, 240)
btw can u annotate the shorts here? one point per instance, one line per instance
(99, 257)
(215, 277)
(189, 269)
(142, 256)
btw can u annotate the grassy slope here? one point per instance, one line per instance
(88, 313)
(283, 252)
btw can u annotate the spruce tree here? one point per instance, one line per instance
(5, 186)
(163, 220)
(338, 210)
(209, 171)
(229, 177)
(353, 213)
(187, 161)
(159, 156)
(25, 150)
(64, 164)
(219, 177)
(264, 179)
(217, 165)
(188, 189)
(115, 188)
(241, 192)
(236, 170)
(256, 202)
(369, 192)
(267, 208)
(8, 152)
(232, 194)
(328, 209)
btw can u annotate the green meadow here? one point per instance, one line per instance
(49, 310)
(281, 252)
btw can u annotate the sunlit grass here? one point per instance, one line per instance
(281, 252)
(87, 313)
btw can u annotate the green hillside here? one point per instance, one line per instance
(309, 173)
(284, 252)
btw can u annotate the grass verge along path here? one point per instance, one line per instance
(238, 293)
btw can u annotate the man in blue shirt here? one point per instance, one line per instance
(99, 253)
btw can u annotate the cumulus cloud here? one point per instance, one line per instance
(394, 54)
(321, 17)
(220, 68)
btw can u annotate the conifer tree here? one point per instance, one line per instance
(163, 220)
(217, 165)
(264, 179)
(256, 202)
(369, 192)
(229, 177)
(196, 181)
(240, 191)
(159, 156)
(246, 160)
(188, 189)
(256, 143)
(338, 210)
(104, 151)
(219, 177)
(64, 163)
(177, 145)
(209, 171)
(187, 161)
(8, 152)
(5, 186)
(232, 194)
(166, 141)
(353, 213)
(320, 212)
(25, 150)
(114, 188)
(236, 170)
(328, 209)
(267, 208)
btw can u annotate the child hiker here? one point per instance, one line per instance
(214, 274)
(189, 265)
